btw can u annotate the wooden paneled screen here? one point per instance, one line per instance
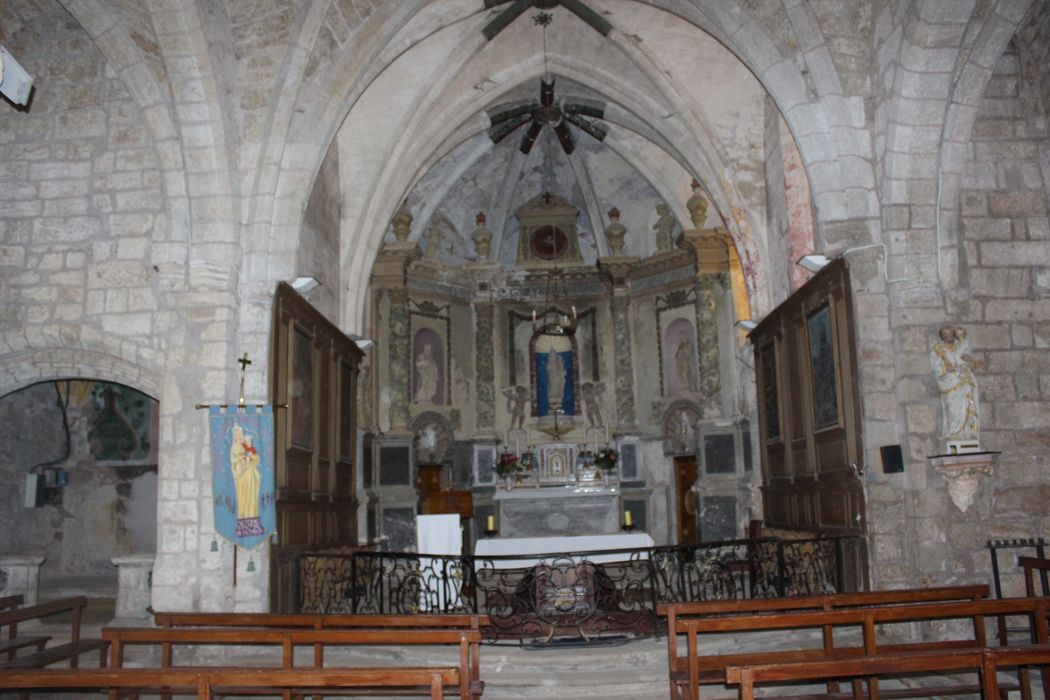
(314, 373)
(809, 418)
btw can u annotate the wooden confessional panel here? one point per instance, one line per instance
(314, 369)
(809, 417)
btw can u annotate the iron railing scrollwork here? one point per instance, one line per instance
(586, 596)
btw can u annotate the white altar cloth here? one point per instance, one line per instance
(553, 545)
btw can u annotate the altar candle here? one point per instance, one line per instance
(626, 518)
(490, 523)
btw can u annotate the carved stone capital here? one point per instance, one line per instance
(617, 268)
(708, 246)
(392, 262)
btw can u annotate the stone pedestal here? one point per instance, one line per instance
(962, 474)
(134, 573)
(21, 575)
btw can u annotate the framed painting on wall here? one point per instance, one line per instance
(822, 368)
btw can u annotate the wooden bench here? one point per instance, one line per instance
(44, 655)
(1030, 566)
(204, 682)
(678, 665)
(864, 622)
(467, 683)
(986, 661)
(11, 601)
(453, 621)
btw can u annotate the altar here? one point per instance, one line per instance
(571, 509)
(549, 545)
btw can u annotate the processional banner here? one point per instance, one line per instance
(243, 473)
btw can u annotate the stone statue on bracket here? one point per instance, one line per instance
(591, 397)
(517, 397)
(482, 237)
(697, 206)
(664, 227)
(615, 232)
(434, 238)
(402, 222)
(953, 368)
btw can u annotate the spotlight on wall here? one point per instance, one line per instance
(746, 324)
(304, 284)
(15, 83)
(814, 262)
(363, 344)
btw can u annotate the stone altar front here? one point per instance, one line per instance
(573, 509)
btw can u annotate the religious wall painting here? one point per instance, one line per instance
(680, 428)
(124, 423)
(678, 344)
(555, 375)
(302, 389)
(770, 399)
(430, 353)
(822, 368)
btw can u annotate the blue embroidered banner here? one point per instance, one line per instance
(242, 473)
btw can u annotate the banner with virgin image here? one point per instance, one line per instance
(243, 490)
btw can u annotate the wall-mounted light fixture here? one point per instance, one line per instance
(746, 324)
(363, 344)
(814, 262)
(15, 83)
(304, 284)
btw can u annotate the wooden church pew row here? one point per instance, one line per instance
(11, 601)
(678, 665)
(1030, 566)
(986, 661)
(287, 640)
(204, 682)
(44, 655)
(782, 629)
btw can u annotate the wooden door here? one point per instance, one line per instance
(686, 473)
(314, 369)
(809, 415)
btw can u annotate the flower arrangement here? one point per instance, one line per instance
(605, 459)
(508, 464)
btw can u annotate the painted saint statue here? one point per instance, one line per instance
(554, 376)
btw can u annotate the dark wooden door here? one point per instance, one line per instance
(809, 415)
(686, 473)
(314, 369)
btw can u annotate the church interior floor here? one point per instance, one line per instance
(636, 670)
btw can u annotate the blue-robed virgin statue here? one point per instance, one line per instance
(554, 375)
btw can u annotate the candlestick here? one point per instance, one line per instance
(626, 518)
(490, 522)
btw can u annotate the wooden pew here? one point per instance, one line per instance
(44, 655)
(867, 621)
(453, 621)
(286, 639)
(11, 601)
(204, 682)
(678, 665)
(1030, 566)
(986, 661)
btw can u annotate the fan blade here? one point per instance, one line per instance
(510, 113)
(498, 132)
(568, 144)
(546, 92)
(530, 137)
(596, 21)
(594, 129)
(586, 108)
(504, 18)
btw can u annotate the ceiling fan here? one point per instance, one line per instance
(547, 112)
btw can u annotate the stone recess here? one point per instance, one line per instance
(179, 159)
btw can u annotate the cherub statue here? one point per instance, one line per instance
(591, 396)
(664, 226)
(517, 397)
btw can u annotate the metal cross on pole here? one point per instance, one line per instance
(244, 362)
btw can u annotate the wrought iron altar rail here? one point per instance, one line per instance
(586, 596)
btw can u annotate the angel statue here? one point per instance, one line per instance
(517, 397)
(591, 399)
